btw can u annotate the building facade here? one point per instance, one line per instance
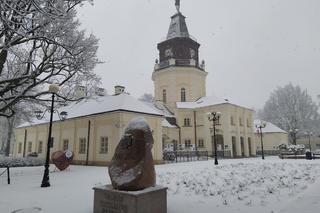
(272, 137)
(92, 130)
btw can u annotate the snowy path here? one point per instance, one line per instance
(239, 185)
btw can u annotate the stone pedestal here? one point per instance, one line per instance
(150, 200)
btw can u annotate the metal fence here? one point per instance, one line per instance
(188, 156)
(185, 156)
(269, 152)
(8, 174)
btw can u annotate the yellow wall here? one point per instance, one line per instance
(172, 79)
(109, 125)
(271, 141)
(226, 129)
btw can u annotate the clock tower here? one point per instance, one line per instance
(178, 75)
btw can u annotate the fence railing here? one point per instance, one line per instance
(268, 152)
(8, 174)
(185, 156)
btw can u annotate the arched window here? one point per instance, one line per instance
(164, 96)
(183, 95)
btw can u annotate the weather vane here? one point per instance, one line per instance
(178, 5)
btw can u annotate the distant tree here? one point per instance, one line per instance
(40, 44)
(147, 97)
(290, 108)
(24, 113)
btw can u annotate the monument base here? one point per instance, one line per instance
(150, 200)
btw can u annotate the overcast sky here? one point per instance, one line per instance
(250, 46)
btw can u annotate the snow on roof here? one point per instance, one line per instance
(205, 102)
(122, 102)
(160, 108)
(270, 128)
(165, 123)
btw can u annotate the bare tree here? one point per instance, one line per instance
(40, 44)
(147, 97)
(289, 107)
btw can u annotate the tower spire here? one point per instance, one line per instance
(178, 5)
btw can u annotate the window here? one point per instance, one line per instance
(232, 120)
(240, 122)
(200, 143)
(40, 147)
(65, 144)
(20, 148)
(233, 139)
(248, 123)
(103, 145)
(164, 96)
(187, 143)
(183, 95)
(187, 122)
(30, 147)
(82, 145)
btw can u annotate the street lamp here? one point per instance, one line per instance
(53, 89)
(309, 134)
(260, 126)
(214, 117)
(293, 133)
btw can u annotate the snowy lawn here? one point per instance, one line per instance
(235, 185)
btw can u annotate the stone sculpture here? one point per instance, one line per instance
(62, 159)
(132, 166)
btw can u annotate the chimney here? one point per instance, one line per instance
(100, 91)
(118, 90)
(80, 92)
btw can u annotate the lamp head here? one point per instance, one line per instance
(38, 114)
(218, 114)
(63, 115)
(54, 88)
(263, 124)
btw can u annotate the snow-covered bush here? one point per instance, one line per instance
(20, 162)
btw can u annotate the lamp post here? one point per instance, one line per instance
(293, 133)
(260, 126)
(309, 134)
(214, 117)
(53, 89)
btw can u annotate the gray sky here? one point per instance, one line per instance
(250, 46)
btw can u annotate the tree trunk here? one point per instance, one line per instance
(9, 135)
(3, 59)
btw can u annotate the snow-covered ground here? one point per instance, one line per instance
(235, 185)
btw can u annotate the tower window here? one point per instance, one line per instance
(183, 95)
(164, 96)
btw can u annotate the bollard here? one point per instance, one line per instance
(8, 174)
